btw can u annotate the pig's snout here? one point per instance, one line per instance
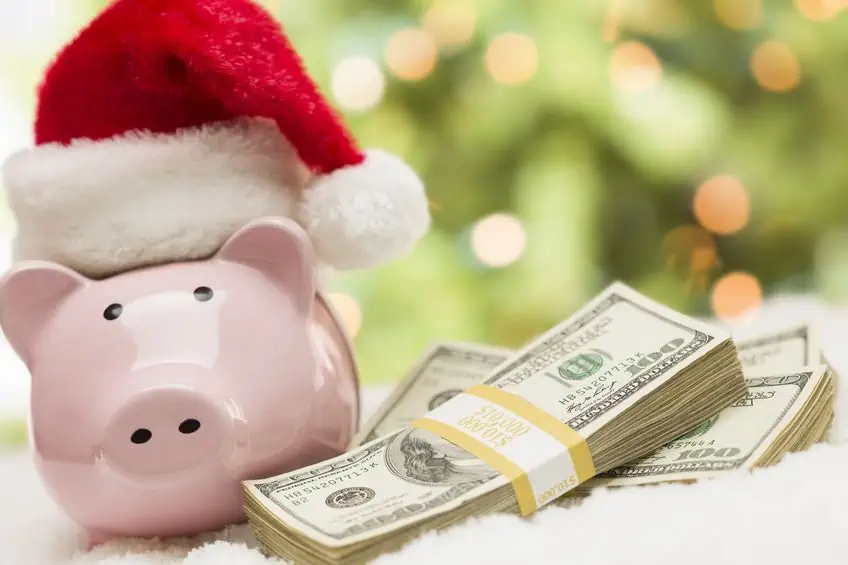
(167, 430)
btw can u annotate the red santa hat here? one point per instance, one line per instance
(168, 124)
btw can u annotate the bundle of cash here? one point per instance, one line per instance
(773, 350)
(448, 368)
(625, 373)
(782, 413)
(788, 407)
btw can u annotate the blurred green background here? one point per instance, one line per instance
(695, 150)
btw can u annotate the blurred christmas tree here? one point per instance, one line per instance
(695, 150)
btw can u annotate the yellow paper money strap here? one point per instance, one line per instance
(542, 457)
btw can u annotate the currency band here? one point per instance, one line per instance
(540, 456)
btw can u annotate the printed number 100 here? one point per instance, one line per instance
(709, 452)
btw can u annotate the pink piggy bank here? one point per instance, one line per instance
(155, 392)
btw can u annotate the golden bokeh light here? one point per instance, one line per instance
(739, 14)
(348, 310)
(411, 54)
(612, 21)
(691, 246)
(450, 23)
(358, 83)
(498, 240)
(634, 67)
(512, 58)
(703, 259)
(820, 10)
(775, 67)
(722, 205)
(736, 294)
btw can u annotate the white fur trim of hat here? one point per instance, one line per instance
(103, 207)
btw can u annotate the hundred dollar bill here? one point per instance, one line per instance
(774, 397)
(444, 371)
(795, 346)
(626, 373)
(781, 413)
(448, 368)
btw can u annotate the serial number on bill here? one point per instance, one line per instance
(296, 495)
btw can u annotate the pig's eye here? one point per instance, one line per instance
(113, 311)
(203, 294)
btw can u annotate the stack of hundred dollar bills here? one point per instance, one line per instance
(657, 396)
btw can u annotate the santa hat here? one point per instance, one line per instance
(166, 125)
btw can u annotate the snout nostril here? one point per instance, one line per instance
(140, 436)
(189, 426)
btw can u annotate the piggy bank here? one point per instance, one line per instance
(155, 392)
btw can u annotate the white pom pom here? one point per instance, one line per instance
(366, 215)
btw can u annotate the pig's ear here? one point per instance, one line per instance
(279, 248)
(30, 292)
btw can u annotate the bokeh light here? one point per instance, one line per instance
(612, 21)
(739, 14)
(451, 23)
(512, 59)
(722, 205)
(820, 10)
(775, 67)
(348, 310)
(498, 240)
(736, 294)
(703, 259)
(358, 83)
(692, 246)
(411, 54)
(634, 67)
